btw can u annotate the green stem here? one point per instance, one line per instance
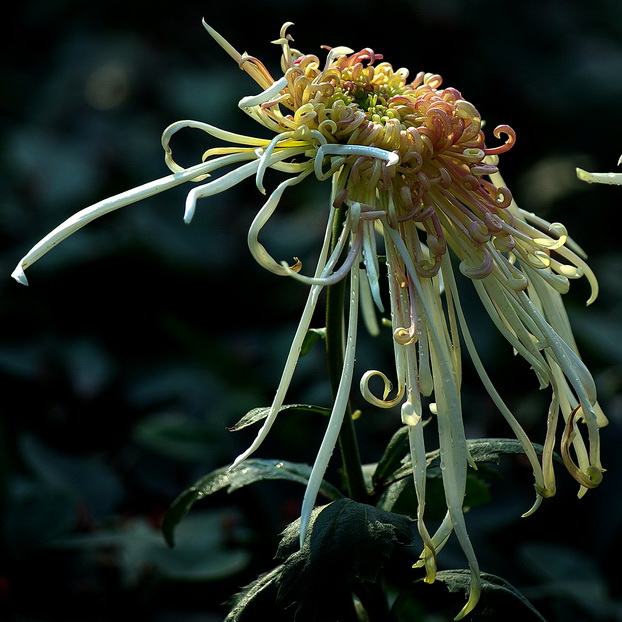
(335, 337)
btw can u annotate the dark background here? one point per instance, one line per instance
(141, 339)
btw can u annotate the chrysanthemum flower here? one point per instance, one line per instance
(414, 173)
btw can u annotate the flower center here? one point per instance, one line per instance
(374, 100)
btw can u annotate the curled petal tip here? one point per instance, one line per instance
(534, 507)
(19, 275)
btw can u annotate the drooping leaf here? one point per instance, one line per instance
(395, 496)
(499, 600)
(231, 479)
(481, 450)
(347, 542)
(257, 600)
(259, 414)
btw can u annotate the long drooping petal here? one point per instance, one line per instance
(338, 411)
(454, 454)
(294, 351)
(88, 214)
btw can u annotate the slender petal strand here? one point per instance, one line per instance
(418, 180)
(88, 214)
(614, 179)
(339, 408)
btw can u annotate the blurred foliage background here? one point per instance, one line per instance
(141, 339)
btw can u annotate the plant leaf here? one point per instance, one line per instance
(313, 334)
(347, 542)
(499, 599)
(257, 600)
(393, 457)
(481, 450)
(259, 414)
(497, 595)
(398, 483)
(245, 473)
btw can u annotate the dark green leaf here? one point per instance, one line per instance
(498, 596)
(499, 600)
(491, 449)
(313, 334)
(259, 414)
(393, 457)
(397, 492)
(481, 450)
(257, 600)
(347, 542)
(248, 472)
(393, 493)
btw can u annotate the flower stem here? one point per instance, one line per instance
(335, 336)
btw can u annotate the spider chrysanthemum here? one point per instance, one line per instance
(417, 179)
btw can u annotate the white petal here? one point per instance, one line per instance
(614, 179)
(88, 214)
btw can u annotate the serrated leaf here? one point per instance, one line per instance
(399, 496)
(347, 542)
(497, 595)
(245, 473)
(499, 600)
(257, 600)
(394, 496)
(259, 414)
(491, 449)
(481, 450)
